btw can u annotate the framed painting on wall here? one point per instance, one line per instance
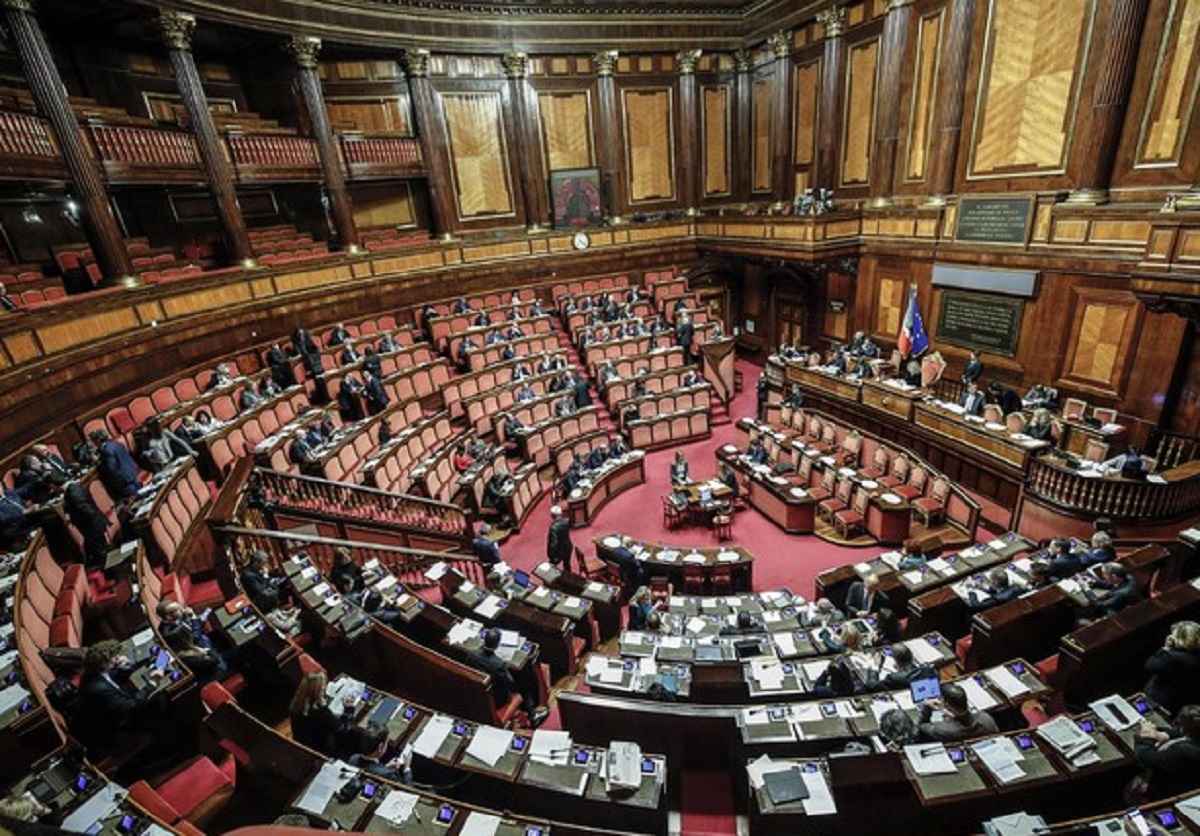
(576, 197)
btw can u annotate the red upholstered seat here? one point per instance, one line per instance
(214, 695)
(199, 787)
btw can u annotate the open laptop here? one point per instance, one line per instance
(926, 688)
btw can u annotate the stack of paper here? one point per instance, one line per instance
(978, 697)
(463, 631)
(1072, 742)
(552, 748)
(321, 788)
(397, 807)
(1001, 757)
(480, 824)
(924, 652)
(1006, 681)
(767, 673)
(929, 759)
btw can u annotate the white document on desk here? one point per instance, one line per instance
(785, 642)
(490, 607)
(489, 744)
(813, 670)
(595, 665)
(923, 651)
(1189, 808)
(820, 799)
(758, 769)
(550, 747)
(398, 806)
(977, 696)
(480, 824)
(11, 697)
(1001, 756)
(1006, 681)
(611, 675)
(1116, 712)
(431, 738)
(324, 784)
(94, 809)
(929, 759)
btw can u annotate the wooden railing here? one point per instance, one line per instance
(407, 565)
(25, 135)
(390, 151)
(1114, 496)
(269, 151)
(1172, 449)
(137, 146)
(360, 502)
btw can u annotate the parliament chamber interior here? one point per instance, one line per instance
(582, 417)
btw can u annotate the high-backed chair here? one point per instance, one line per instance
(878, 467)
(851, 519)
(1074, 409)
(932, 508)
(915, 487)
(1105, 415)
(826, 508)
(1095, 450)
(898, 473)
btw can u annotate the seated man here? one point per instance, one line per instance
(864, 597)
(795, 398)
(1116, 590)
(372, 757)
(999, 590)
(757, 451)
(906, 671)
(1170, 757)
(617, 447)
(1064, 560)
(110, 716)
(973, 400)
(597, 457)
(627, 563)
(503, 683)
(959, 721)
(485, 548)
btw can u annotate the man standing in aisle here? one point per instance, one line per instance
(558, 539)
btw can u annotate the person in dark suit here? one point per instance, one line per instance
(961, 721)
(118, 472)
(559, 547)
(302, 341)
(205, 664)
(1174, 668)
(1008, 400)
(52, 463)
(627, 563)
(349, 397)
(220, 379)
(260, 586)
(864, 597)
(372, 757)
(313, 722)
(371, 364)
(974, 368)
(1102, 551)
(795, 398)
(1040, 425)
(907, 670)
(86, 516)
(485, 548)
(582, 396)
(570, 480)
(757, 451)
(730, 479)
(110, 716)
(14, 525)
(999, 590)
(462, 305)
(301, 451)
(1116, 589)
(973, 400)
(345, 574)
(1170, 757)
(281, 366)
(376, 396)
(388, 344)
(685, 333)
(504, 685)
(617, 447)
(349, 354)
(338, 335)
(1064, 560)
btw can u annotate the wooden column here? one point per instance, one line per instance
(99, 222)
(896, 27)
(948, 114)
(1118, 61)
(304, 51)
(611, 150)
(782, 176)
(432, 133)
(176, 29)
(829, 122)
(534, 188)
(743, 109)
(691, 166)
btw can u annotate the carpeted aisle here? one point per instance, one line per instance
(781, 560)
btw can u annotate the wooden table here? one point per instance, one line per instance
(658, 559)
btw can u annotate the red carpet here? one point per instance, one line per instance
(707, 802)
(780, 559)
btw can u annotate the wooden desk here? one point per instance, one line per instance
(891, 397)
(614, 477)
(830, 385)
(783, 500)
(994, 442)
(658, 559)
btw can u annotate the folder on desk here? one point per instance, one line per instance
(385, 711)
(785, 787)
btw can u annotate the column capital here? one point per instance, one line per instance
(743, 60)
(781, 43)
(516, 65)
(893, 5)
(834, 21)
(687, 60)
(304, 50)
(17, 5)
(176, 28)
(415, 62)
(606, 62)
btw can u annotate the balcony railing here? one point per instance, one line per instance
(272, 157)
(25, 135)
(144, 146)
(1175, 495)
(382, 156)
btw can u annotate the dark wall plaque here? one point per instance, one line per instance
(979, 320)
(994, 220)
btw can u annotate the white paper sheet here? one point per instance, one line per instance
(929, 759)
(480, 824)
(1001, 756)
(820, 799)
(977, 696)
(398, 807)
(550, 747)
(94, 809)
(1006, 681)
(489, 744)
(324, 784)
(433, 735)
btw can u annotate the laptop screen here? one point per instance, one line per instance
(521, 579)
(926, 688)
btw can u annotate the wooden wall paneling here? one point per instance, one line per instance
(762, 120)
(690, 138)
(807, 87)
(384, 204)
(781, 127)
(1161, 140)
(716, 136)
(893, 55)
(1031, 61)
(649, 129)
(1163, 349)
(743, 136)
(838, 294)
(370, 114)
(862, 69)
(920, 101)
(479, 153)
(1104, 329)
(829, 121)
(892, 298)
(568, 137)
(521, 109)
(951, 94)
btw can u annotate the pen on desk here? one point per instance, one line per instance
(929, 750)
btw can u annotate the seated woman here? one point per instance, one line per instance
(640, 607)
(1040, 425)
(205, 664)
(313, 723)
